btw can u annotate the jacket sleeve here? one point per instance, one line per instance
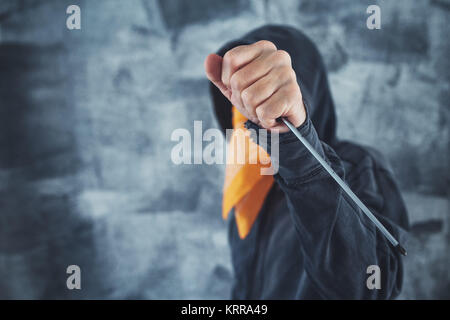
(338, 241)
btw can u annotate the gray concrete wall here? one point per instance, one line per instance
(86, 118)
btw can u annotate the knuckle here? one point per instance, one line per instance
(227, 55)
(247, 97)
(224, 79)
(283, 56)
(292, 90)
(266, 44)
(261, 112)
(287, 71)
(236, 82)
(264, 114)
(230, 57)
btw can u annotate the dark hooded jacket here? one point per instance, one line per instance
(310, 241)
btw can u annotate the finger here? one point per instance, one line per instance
(265, 87)
(240, 56)
(296, 114)
(286, 102)
(213, 68)
(259, 68)
(249, 113)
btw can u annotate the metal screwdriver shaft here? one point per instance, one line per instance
(344, 186)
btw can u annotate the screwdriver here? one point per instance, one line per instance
(345, 187)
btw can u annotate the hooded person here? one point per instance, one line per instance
(296, 235)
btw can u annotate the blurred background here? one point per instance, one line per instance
(86, 118)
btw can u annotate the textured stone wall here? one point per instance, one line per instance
(86, 118)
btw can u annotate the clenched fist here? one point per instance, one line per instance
(259, 80)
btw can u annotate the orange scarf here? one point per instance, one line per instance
(245, 188)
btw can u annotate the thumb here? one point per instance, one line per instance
(213, 69)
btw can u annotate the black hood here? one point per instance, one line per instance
(311, 77)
